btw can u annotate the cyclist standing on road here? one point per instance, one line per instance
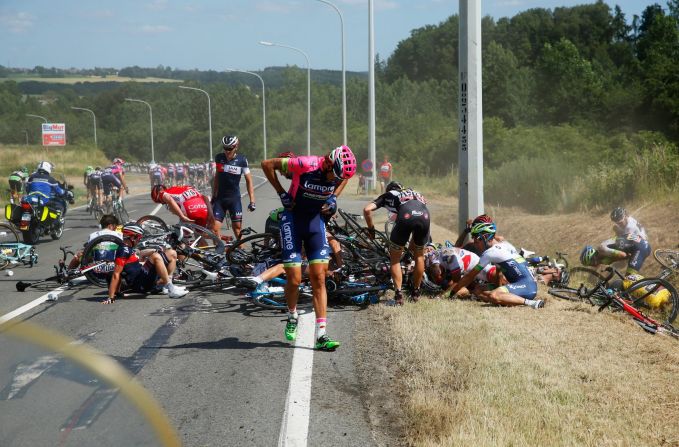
(226, 186)
(310, 201)
(186, 202)
(412, 219)
(386, 173)
(17, 181)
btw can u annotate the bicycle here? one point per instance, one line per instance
(12, 251)
(669, 260)
(63, 274)
(118, 207)
(94, 208)
(655, 296)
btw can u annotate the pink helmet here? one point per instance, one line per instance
(343, 162)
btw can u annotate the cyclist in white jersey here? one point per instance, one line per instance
(521, 287)
(446, 266)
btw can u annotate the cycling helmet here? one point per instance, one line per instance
(132, 230)
(157, 193)
(24, 169)
(118, 161)
(230, 142)
(587, 255)
(394, 186)
(45, 166)
(484, 230)
(343, 162)
(618, 214)
(288, 154)
(483, 218)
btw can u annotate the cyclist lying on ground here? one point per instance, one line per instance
(109, 224)
(521, 288)
(154, 273)
(446, 266)
(462, 238)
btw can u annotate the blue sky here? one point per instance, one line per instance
(219, 34)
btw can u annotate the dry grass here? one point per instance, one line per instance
(474, 374)
(76, 79)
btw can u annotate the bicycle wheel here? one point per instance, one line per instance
(584, 276)
(199, 237)
(262, 247)
(8, 234)
(565, 293)
(656, 297)
(124, 215)
(152, 225)
(667, 258)
(98, 212)
(98, 259)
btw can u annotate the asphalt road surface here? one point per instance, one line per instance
(219, 366)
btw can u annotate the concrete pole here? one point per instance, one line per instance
(371, 91)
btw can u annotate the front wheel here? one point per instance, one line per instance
(667, 258)
(656, 297)
(565, 293)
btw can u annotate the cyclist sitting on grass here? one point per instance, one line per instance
(521, 288)
(142, 277)
(469, 246)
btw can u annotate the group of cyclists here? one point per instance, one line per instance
(480, 263)
(185, 173)
(101, 182)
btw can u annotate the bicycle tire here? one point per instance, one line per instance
(566, 293)
(152, 225)
(100, 252)
(257, 248)
(658, 307)
(586, 276)
(124, 215)
(8, 234)
(98, 213)
(667, 258)
(204, 239)
(276, 301)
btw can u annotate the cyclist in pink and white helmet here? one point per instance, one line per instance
(343, 162)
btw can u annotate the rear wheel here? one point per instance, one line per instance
(32, 235)
(152, 225)
(656, 297)
(566, 293)
(98, 259)
(667, 258)
(584, 276)
(255, 249)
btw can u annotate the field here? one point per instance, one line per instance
(465, 373)
(76, 79)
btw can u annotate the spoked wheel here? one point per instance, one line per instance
(584, 276)
(276, 300)
(8, 235)
(565, 293)
(98, 212)
(98, 260)
(152, 225)
(667, 258)
(255, 249)
(198, 237)
(656, 298)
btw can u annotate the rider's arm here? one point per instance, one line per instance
(210, 214)
(367, 214)
(341, 187)
(251, 189)
(115, 282)
(174, 208)
(466, 280)
(269, 167)
(215, 186)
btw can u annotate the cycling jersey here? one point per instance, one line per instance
(513, 267)
(16, 181)
(412, 216)
(385, 170)
(191, 201)
(310, 187)
(229, 173)
(632, 227)
(110, 180)
(139, 277)
(454, 260)
(94, 180)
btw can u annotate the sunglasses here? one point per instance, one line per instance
(229, 149)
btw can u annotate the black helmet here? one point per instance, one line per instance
(394, 186)
(230, 142)
(618, 214)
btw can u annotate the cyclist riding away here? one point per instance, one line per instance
(17, 181)
(412, 218)
(310, 201)
(142, 277)
(186, 202)
(521, 288)
(118, 170)
(226, 186)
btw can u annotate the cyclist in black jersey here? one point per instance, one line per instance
(226, 185)
(412, 219)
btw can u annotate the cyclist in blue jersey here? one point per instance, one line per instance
(521, 288)
(310, 201)
(226, 186)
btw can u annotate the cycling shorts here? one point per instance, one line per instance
(526, 288)
(303, 230)
(196, 210)
(110, 181)
(412, 219)
(147, 278)
(639, 255)
(16, 185)
(270, 226)
(230, 204)
(93, 183)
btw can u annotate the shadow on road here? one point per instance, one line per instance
(227, 343)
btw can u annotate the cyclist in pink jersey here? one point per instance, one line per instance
(309, 203)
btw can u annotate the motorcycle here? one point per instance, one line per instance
(34, 218)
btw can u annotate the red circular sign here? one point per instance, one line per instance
(367, 165)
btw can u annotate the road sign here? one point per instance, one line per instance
(367, 165)
(54, 134)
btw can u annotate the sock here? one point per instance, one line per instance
(528, 302)
(292, 313)
(320, 327)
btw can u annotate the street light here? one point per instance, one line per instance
(153, 157)
(37, 116)
(209, 111)
(263, 102)
(26, 132)
(94, 118)
(308, 90)
(344, 78)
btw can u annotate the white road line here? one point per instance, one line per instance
(156, 209)
(295, 426)
(26, 307)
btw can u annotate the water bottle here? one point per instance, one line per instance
(359, 299)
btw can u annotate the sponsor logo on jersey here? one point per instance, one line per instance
(287, 237)
(318, 188)
(230, 169)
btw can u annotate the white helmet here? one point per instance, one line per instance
(45, 166)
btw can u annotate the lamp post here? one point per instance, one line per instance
(38, 116)
(263, 103)
(308, 93)
(209, 112)
(26, 132)
(153, 156)
(94, 119)
(344, 78)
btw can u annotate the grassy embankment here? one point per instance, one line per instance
(69, 163)
(76, 79)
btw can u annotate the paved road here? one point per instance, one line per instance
(219, 366)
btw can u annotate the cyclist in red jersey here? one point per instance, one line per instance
(186, 202)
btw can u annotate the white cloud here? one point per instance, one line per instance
(154, 29)
(16, 22)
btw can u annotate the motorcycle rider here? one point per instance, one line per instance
(41, 184)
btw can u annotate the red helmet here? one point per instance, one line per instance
(483, 218)
(133, 231)
(157, 193)
(343, 162)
